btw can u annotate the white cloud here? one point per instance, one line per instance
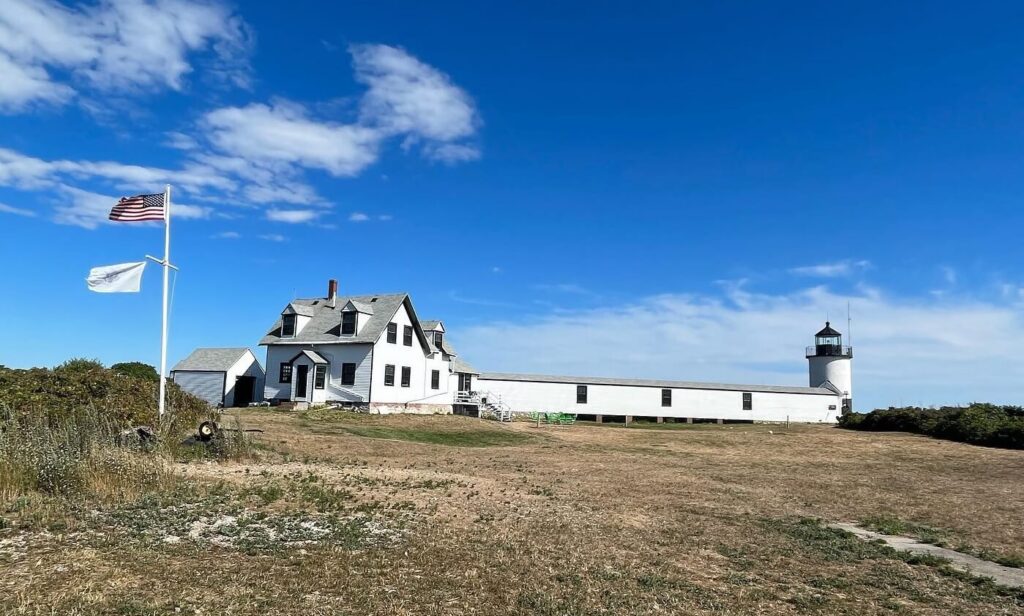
(114, 46)
(17, 211)
(407, 96)
(292, 216)
(837, 269)
(451, 153)
(274, 237)
(358, 217)
(385, 217)
(226, 235)
(952, 350)
(285, 133)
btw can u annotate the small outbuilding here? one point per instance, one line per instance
(222, 377)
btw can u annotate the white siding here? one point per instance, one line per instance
(414, 357)
(638, 401)
(336, 354)
(247, 365)
(836, 370)
(206, 385)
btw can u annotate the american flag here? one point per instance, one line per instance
(139, 208)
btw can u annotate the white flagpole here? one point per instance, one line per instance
(163, 333)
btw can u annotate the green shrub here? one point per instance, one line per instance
(978, 424)
(138, 370)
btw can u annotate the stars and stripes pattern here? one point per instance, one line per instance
(139, 208)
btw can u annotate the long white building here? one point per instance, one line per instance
(374, 352)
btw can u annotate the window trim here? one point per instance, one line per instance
(389, 375)
(320, 376)
(581, 394)
(748, 401)
(406, 376)
(392, 333)
(666, 398)
(285, 319)
(435, 379)
(355, 322)
(281, 370)
(345, 367)
(407, 335)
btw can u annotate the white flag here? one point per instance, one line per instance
(120, 278)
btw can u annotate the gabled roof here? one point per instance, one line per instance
(460, 366)
(590, 380)
(325, 325)
(828, 331)
(313, 356)
(431, 325)
(211, 360)
(294, 308)
(357, 306)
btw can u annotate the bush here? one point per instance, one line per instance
(124, 399)
(138, 370)
(978, 424)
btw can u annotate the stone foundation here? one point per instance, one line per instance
(412, 408)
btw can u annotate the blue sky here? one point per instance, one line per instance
(668, 190)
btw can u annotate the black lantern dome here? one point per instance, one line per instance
(829, 342)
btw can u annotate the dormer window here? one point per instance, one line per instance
(438, 339)
(348, 323)
(288, 325)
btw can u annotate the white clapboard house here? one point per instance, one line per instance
(373, 352)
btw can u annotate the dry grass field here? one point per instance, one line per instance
(339, 513)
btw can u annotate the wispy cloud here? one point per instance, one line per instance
(358, 217)
(292, 216)
(385, 217)
(17, 211)
(119, 46)
(273, 237)
(564, 287)
(837, 269)
(924, 350)
(226, 235)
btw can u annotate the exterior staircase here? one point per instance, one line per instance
(495, 406)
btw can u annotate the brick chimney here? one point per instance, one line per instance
(332, 291)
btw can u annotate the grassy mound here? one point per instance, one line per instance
(978, 424)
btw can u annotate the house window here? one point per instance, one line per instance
(348, 374)
(465, 382)
(389, 375)
(438, 339)
(320, 376)
(406, 376)
(407, 335)
(392, 333)
(285, 376)
(748, 402)
(435, 379)
(288, 325)
(348, 323)
(666, 397)
(581, 394)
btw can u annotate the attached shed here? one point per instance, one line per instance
(222, 377)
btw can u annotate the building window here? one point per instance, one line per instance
(438, 339)
(392, 333)
(288, 325)
(435, 379)
(348, 374)
(581, 394)
(320, 376)
(666, 397)
(389, 375)
(348, 323)
(748, 402)
(465, 382)
(407, 335)
(406, 376)
(285, 375)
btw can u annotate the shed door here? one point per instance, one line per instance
(244, 386)
(206, 385)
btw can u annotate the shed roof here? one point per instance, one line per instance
(211, 359)
(591, 380)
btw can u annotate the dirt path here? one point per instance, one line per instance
(1006, 576)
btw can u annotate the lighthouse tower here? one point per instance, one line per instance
(830, 363)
